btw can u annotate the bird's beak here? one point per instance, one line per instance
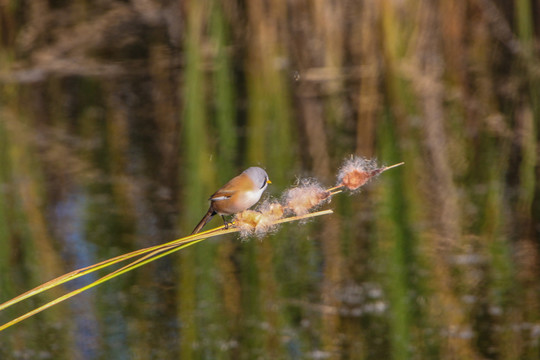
(268, 182)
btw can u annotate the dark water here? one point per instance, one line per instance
(119, 119)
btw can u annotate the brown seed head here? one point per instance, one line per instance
(357, 171)
(354, 179)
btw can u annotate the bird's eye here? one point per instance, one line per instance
(264, 182)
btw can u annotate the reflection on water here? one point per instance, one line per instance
(119, 119)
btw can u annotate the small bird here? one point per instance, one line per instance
(239, 194)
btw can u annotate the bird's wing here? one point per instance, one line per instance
(222, 195)
(226, 190)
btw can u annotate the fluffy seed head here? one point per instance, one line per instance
(247, 221)
(261, 221)
(273, 210)
(304, 197)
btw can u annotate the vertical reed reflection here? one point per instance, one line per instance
(119, 119)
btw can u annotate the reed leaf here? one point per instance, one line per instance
(152, 253)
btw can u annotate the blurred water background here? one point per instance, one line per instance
(119, 118)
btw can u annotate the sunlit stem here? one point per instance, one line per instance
(393, 166)
(335, 188)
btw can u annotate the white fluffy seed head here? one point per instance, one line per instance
(304, 197)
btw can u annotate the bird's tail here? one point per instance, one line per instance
(209, 215)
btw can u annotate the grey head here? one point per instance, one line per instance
(258, 176)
